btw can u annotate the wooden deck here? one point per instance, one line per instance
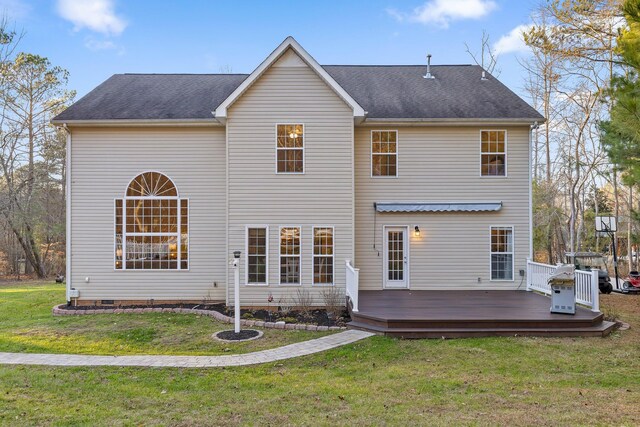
(456, 314)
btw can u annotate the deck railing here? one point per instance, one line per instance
(353, 277)
(587, 289)
(586, 282)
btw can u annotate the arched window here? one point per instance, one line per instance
(151, 225)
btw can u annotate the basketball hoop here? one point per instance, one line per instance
(606, 224)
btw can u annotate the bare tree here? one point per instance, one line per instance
(487, 57)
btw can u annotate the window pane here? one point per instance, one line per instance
(383, 149)
(151, 184)
(257, 255)
(152, 252)
(289, 144)
(290, 255)
(323, 270)
(290, 270)
(501, 253)
(493, 165)
(290, 241)
(323, 255)
(146, 226)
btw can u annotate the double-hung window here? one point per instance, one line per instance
(493, 153)
(257, 255)
(323, 255)
(290, 256)
(290, 148)
(384, 153)
(151, 225)
(501, 253)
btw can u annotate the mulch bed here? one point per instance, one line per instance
(318, 317)
(244, 334)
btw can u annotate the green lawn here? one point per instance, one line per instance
(377, 381)
(26, 325)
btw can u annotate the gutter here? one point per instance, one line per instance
(451, 121)
(67, 275)
(533, 126)
(138, 122)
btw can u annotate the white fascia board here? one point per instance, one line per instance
(449, 122)
(221, 112)
(138, 122)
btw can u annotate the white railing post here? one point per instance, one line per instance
(352, 279)
(595, 290)
(528, 274)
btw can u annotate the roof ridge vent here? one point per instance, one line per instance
(429, 75)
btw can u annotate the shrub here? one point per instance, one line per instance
(334, 301)
(303, 301)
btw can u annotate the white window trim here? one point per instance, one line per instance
(513, 254)
(506, 154)
(304, 144)
(178, 234)
(371, 154)
(284, 285)
(246, 251)
(314, 256)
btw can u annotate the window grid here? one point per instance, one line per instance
(151, 226)
(493, 153)
(290, 148)
(502, 253)
(257, 253)
(290, 256)
(395, 268)
(384, 153)
(323, 256)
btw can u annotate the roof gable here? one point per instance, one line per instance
(281, 56)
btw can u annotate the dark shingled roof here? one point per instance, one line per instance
(389, 92)
(401, 91)
(154, 96)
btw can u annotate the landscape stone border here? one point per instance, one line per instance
(61, 310)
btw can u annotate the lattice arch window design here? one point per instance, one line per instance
(151, 225)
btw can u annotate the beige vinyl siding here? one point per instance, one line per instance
(104, 160)
(442, 164)
(322, 196)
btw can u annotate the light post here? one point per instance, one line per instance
(236, 295)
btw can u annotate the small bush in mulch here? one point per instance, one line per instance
(314, 317)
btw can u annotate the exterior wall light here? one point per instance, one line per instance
(416, 231)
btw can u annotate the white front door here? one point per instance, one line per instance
(396, 257)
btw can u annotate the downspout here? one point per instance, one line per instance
(534, 126)
(68, 215)
(226, 219)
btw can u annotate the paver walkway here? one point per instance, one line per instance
(286, 352)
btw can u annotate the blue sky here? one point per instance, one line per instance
(94, 39)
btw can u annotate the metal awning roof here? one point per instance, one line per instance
(438, 207)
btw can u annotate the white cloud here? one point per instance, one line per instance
(93, 44)
(96, 15)
(442, 12)
(513, 42)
